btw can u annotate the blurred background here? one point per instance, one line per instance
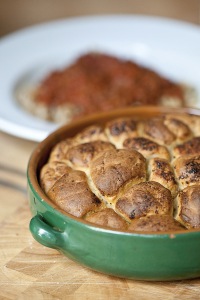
(16, 14)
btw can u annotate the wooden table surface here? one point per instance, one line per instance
(29, 270)
(32, 271)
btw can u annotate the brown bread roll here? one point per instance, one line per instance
(120, 129)
(71, 193)
(146, 198)
(146, 147)
(113, 169)
(188, 207)
(161, 171)
(52, 172)
(107, 218)
(155, 223)
(187, 170)
(81, 155)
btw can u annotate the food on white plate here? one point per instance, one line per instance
(98, 82)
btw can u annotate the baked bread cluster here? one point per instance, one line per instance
(130, 174)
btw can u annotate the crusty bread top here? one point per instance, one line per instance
(188, 206)
(146, 147)
(155, 223)
(81, 155)
(71, 193)
(113, 169)
(130, 174)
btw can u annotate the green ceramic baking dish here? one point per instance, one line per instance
(146, 256)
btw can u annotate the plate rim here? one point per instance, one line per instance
(35, 134)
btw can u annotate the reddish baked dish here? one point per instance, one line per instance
(97, 82)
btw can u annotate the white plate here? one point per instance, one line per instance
(170, 47)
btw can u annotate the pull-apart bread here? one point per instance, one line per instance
(130, 174)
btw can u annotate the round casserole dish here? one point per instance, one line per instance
(135, 255)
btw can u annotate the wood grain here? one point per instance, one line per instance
(27, 13)
(29, 270)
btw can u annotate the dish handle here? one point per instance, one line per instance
(45, 234)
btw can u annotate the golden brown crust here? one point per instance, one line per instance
(143, 199)
(180, 129)
(51, 172)
(71, 193)
(112, 169)
(119, 129)
(161, 171)
(146, 147)
(187, 170)
(58, 153)
(155, 223)
(81, 155)
(133, 170)
(156, 130)
(192, 121)
(188, 148)
(188, 207)
(107, 218)
(90, 134)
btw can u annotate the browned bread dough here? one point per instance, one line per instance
(72, 194)
(91, 133)
(156, 130)
(187, 170)
(58, 153)
(107, 217)
(146, 198)
(146, 147)
(130, 174)
(120, 129)
(188, 206)
(161, 171)
(81, 155)
(155, 223)
(188, 148)
(113, 169)
(192, 121)
(51, 173)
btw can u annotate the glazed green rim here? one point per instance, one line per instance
(56, 136)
